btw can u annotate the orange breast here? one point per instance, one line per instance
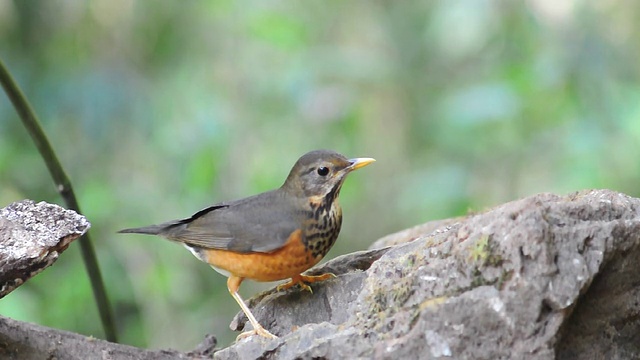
(290, 260)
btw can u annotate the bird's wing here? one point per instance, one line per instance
(244, 226)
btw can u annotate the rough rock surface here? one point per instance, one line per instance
(25, 341)
(539, 278)
(32, 236)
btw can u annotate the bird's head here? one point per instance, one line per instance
(321, 172)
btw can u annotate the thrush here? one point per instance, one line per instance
(275, 235)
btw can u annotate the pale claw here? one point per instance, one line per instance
(259, 331)
(304, 280)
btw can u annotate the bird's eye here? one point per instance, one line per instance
(323, 171)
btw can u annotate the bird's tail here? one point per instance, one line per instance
(151, 230)
(160, 229)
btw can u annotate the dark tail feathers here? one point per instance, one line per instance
(164, 229)
(150, 230)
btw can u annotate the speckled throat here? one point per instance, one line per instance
(323, 227)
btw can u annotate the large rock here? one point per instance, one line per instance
(540, 278)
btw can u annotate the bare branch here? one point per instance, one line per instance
(63, 185)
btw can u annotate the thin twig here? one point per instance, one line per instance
(63, 186)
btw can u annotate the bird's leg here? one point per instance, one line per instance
(233, 284)
(304, 280)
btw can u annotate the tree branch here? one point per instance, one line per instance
(63, 185)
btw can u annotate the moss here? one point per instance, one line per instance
(506, 275)
(410, 260)
(401, 291)
(433, 302)
(483, 252)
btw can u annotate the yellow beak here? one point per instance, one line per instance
(357, 163)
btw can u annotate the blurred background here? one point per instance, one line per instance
(157, 110)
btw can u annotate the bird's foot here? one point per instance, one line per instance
(304, 280)
(260, 331)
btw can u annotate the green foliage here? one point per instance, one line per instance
(158, 111)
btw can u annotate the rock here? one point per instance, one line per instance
(32, 236)
(539, 278)
(413, 233)
(24, 341)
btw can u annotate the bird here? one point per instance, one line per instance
(272, 236)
